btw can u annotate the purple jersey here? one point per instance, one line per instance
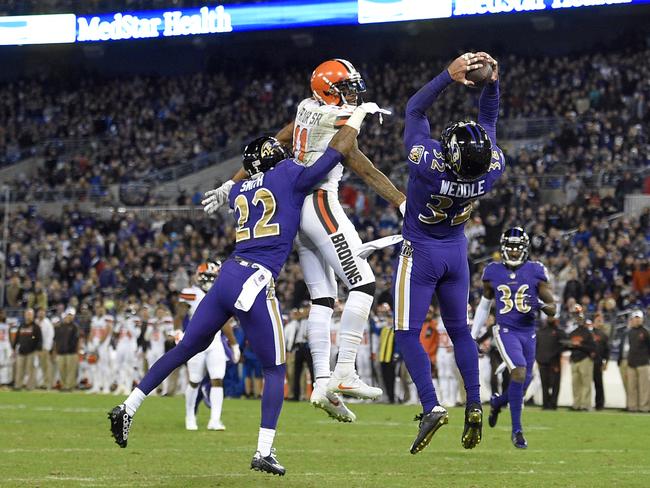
(516, 292)
(268, 209)
(438, 205)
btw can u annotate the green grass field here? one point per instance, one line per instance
(54, 439)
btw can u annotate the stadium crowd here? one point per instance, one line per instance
(124, 130)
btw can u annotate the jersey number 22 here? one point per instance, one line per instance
(262, 227)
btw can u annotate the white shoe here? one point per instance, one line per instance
(216, 425)
(332, 404)
(190, 423)
(351, 385)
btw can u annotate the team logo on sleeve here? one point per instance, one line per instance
(496, 161)
(416, 154)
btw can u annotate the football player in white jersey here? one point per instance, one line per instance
(213, 359)
(327, 239)
(101, 329)
(6, 352)
(126, 347)
(158, 329)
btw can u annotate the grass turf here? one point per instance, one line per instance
(57, 439)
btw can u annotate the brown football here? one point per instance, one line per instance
(481, 75)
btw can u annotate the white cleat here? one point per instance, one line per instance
(190, 423)
(216, 425)
(352, 385)
(332, 404)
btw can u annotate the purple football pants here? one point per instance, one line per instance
(438, 267)
(517, 349)
(262, 325)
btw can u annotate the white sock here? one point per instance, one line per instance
(318, 334)
(216, 400)
(353, 322)
(134, 400)
(265, 441)
(190, 400)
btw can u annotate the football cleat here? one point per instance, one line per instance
(216, 425)
(120, 425)
(352, 385)
(473, 426)
(190, 423)
(332, 404)
(519, 441)
(494, 411)
(268, 464)
(429, 425)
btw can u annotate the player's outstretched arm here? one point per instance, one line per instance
(416, 124)
(488, 104)
(375, 179)
(339, 147)
(545, 294)
(483, 309)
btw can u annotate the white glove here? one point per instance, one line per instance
(402, 208)
(365, 250)
(364, 109)
(216, 198)
(236, 353)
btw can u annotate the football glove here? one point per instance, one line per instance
(236, 353)
(214, 199)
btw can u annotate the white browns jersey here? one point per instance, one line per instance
(100, 330)
(193, 296)
(314, 127)
(128, 330)
(158, 330)
(4, 335)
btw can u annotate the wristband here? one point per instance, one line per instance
(356, 119)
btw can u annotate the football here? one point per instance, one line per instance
(481, 75)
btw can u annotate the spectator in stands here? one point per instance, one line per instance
(27, 345)
(638, 368)
(66, 340)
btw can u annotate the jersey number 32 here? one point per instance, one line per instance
(262, 227)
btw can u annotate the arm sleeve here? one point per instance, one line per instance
(416, 124)
(488, 110)
(482, 312)
(308, 177)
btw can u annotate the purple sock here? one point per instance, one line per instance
(419, 366)
(272, 395)
(516, 400)
(466, 360)
(501, 400)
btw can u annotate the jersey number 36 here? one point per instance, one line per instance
(520, 299)
(262, 227)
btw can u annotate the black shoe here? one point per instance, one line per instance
(268, 464)
(519, 441)
(473, 426)
(494, 411)
(429, 424)
(120, 425)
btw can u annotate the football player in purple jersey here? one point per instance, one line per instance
(446, 176)
(522, 289)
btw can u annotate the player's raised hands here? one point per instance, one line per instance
(494, 64)
(465, 63)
